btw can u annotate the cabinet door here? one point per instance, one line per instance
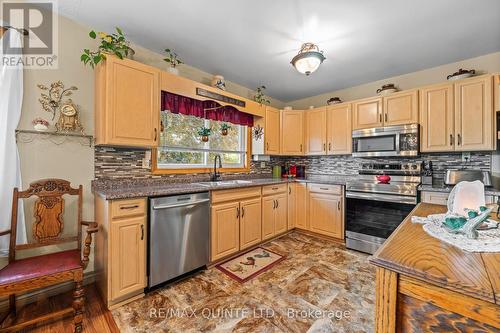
(272, 131)
(474, 114)
(128, 256)
(132, 103)
(401, 108)
(292, 132)
(437, 118)
(339, 129)
(326, 214)
(302, 207)
(250, 222)
(291, 207)
(281, 213)
(225, 233)
(268, 207)
(367, 113)
(315, 131)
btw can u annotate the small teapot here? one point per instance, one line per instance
(384, 179)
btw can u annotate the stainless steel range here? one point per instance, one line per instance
(374, 209)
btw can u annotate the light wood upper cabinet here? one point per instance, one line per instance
(496, 90)
(315, 131)
(292, 132)
(401, 108)
(301, 206)
(367, 113)
(225, 230)
(128, 250)
(250, 222)
(292, 208)
(437, 118)
(272, 131)
(325, 214)
(127, 103)
(339, 129)
(474, 114)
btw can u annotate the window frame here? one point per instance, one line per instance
(186, 170)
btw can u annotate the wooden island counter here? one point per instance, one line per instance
(426, 285)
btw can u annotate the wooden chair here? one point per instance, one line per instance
(45, 270)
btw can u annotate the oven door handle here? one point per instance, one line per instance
(382, 197)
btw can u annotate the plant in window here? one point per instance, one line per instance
(224, 128)
(110, 44)
(260, 96)
(204, 132)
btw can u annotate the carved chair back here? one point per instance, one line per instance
(48, 223)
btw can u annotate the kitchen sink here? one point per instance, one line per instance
(224, 183)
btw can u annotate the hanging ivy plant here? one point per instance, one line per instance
(224, 128)
(260, 96)
(204, 132)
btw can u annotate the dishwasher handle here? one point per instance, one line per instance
(184, 204)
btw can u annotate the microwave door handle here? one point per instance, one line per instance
(398, 148)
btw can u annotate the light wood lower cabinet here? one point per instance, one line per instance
(325, 210)
(120, 252)
(236, 221)
(292, 208)
(301, 206)
(250, 222)
(441, 198)
(274, 210)
(225, 233)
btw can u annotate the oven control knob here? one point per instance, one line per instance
(414, 166)
(405, 166)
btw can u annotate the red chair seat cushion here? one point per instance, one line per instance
(34, 267)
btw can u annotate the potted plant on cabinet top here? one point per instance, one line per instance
(114, 44)
(224, 128)
(204, 133)
(260, 97)
(174, 60)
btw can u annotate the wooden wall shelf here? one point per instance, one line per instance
(58, 138)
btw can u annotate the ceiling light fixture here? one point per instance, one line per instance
(308, 59)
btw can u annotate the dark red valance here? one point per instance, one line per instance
(204, 109)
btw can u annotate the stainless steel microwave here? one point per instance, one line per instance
(402, 140)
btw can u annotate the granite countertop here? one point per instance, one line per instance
(123, 189)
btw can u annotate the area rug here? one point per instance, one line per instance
(250, 264)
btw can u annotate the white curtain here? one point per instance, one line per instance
(11, 98)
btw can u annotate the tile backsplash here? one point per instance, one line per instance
(123, 163)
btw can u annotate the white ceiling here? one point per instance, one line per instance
(252, 42)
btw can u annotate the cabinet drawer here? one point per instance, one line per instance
(235, 194)
(321, 188)
(438, 198)
(128, 207)
(273, 189)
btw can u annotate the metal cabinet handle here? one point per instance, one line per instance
(277, 203)
(267, 145)
(274, 204)
(338, 205)
(242, 211)
(459, 137)
(301, 147)
(289, 190)
(324, 188)
(142, 231)
(324, 146)
(129, 207)
(451, 139)
(329, 146)
(380, 117)
(385, 117)
(238, 212)
(156, 134)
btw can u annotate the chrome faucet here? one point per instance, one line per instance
(216, 175)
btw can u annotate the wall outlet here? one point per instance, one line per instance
(466, 157)
(146, 161)
(262, 165)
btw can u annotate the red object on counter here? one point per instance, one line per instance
(384, 179)
(293, 170)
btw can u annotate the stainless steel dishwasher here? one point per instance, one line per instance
(178, 235)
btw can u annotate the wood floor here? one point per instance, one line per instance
(97, 319)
